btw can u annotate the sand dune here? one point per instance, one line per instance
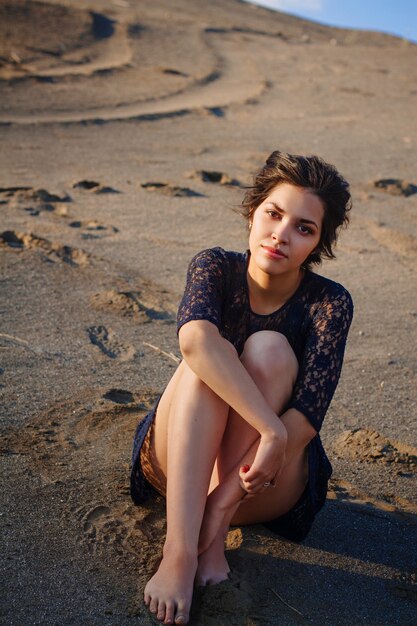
(129, 131)
(233, 79)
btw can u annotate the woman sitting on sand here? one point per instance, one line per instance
(234, 437)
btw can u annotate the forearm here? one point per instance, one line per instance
(215, 361)
(299, 433)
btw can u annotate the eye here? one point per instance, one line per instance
(305, 230)
(273, 213)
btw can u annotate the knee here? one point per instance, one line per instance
(267, 354)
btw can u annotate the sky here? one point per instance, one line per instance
(397, 17)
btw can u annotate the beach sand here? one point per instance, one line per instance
(128, 130)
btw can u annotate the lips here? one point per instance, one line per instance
(275, 253)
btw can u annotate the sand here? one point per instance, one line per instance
(128, 131)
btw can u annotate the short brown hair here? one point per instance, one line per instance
(314, 174)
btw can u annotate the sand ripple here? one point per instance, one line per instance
(232, 78)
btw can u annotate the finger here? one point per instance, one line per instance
(242, 486)
(256, 477)
(253, 475)
(254, 486)
(243, 472)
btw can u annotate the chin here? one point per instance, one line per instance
(269, 267)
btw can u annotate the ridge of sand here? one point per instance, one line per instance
(236, 79)
(106, 55)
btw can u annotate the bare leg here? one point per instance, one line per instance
(239, 447)
(189, 435)
(193, 418)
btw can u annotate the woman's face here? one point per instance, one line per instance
(285, 229)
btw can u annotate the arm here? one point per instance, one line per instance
(319, 373)
(215, 361)
(322, 360)
(299, 431)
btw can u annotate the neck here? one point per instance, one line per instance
(270, 291)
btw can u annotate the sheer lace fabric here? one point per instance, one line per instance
(315, 321)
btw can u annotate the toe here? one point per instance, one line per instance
(153, 605)
(161, 611)
(181, 616)
(169, 613)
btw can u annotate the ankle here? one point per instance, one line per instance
(173, 550)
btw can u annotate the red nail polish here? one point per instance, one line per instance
(245, 468)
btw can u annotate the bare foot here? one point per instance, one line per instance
(212, 564)
(168, 593)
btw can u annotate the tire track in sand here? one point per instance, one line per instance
(235, 80)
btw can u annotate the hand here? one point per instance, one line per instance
(268, 463)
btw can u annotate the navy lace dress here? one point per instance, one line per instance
(315, 321)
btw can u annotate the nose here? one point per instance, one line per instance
(281, 232)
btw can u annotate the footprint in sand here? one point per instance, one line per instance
(62, 211)
(78, 439)
(92, 425)
(101, 529)
(92, 227)
(94, 187)
(173, 72)
(144, 399)
(30, 193)
(119, 396)
(144, 306)
(10, 191)
(106, 340)
(34, 201)
(124, 528)
(94, 515)
(41, 200)
(395, 186)
(19, 241)
(370, 446)
(220, 178)
(171, 190)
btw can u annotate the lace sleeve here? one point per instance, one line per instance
(205, 287)
(323, 357)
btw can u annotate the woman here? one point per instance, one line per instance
(234, 437)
